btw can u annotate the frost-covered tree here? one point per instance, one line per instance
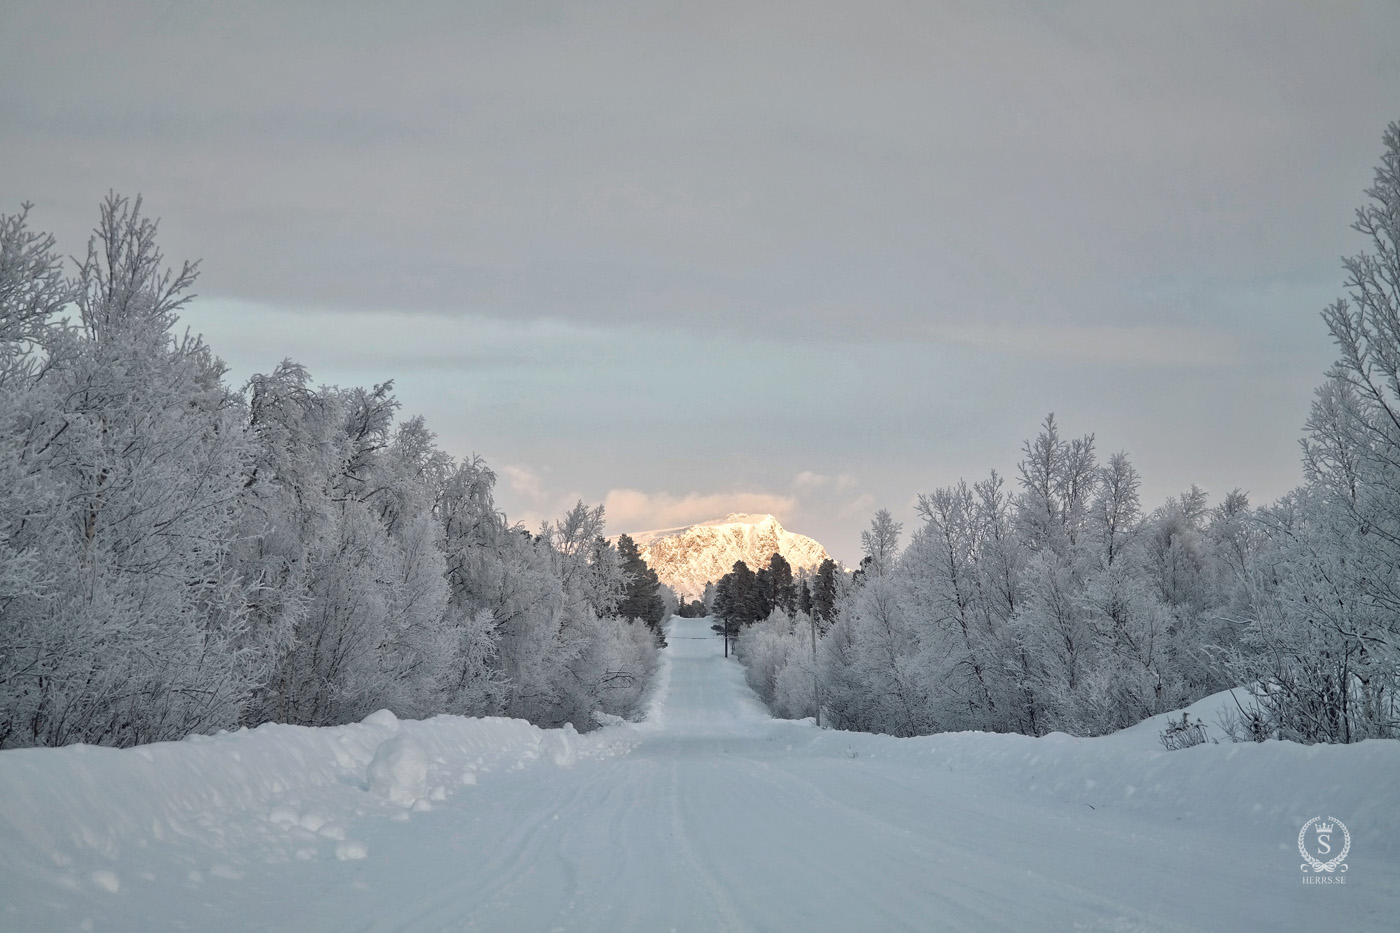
(777, 654)
(1058, 481)
(707, 598)
(1052, 515)
(887, 684)
(949, 587)
(482, 587)
(130, 626)
(345, 543)
(33, 290)
(1322, 649)
(533, 642)
(176, 556)
(1062, 607)
(1068, 607)
(880, 543)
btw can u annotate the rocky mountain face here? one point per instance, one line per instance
(687, 558)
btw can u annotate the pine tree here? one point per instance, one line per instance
(782, 593)
(641, 597)
(824, 592)
(762, 595)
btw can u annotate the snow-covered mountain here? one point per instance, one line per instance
(687, 558)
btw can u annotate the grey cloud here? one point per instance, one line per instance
(738, 165)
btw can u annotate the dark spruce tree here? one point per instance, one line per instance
(781, 591)
(695, 609)
(739, 601)
(824, 592)
(763, 595)
(727, 623)
(641, 597)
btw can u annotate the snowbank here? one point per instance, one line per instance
(275, 792)
(1246, 786)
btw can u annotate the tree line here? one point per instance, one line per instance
(180, 556)
(743, 596)
(1058, 603)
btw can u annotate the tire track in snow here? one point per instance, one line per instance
(939, 827)
(729, 917)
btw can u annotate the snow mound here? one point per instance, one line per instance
(560, 746)
(383, 717)
(399, 770)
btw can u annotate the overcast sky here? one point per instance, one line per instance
(685, 259)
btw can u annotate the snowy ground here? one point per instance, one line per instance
(709, 816)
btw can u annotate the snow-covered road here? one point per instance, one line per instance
(709, 816)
